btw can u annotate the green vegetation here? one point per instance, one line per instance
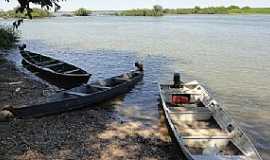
(36, 13)
(248, 10)
(8, 37)
(158, 11)
(82, 12)
(218, 10)
(24, 5)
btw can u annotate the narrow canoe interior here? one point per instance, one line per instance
(101, 85)
(196, 126)
(52, 64)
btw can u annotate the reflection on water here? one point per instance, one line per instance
(228, 54)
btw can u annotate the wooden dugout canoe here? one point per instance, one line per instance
(54, 71)
(82, 96)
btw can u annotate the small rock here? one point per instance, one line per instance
(17, 89)
(5, 115)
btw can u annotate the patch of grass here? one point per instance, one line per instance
(8, 37)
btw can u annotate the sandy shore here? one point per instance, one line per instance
(93, 133)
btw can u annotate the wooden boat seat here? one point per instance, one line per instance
(53, 65)
(71, 71)
(102, 87)
(76, 93)
(33, 56)
(122, 79)
(46, 62)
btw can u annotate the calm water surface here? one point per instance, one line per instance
(230, 55)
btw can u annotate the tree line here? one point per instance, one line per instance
(159, 11)
(35, 13)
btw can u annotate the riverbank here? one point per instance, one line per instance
(94, 133)
(231, 10)
(16, 88)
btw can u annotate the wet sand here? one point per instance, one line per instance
(92, 133)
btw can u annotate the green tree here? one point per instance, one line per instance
(8, 36)
(233, 7)
(196, 9)
(36, 13)
(82, 12)
(158, 10)
(25, 5)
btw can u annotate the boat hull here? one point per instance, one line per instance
(201, 129)
(64, 104)
(181, 155)
(60, 80)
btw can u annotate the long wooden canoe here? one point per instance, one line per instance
(82, 96)
(54, 71)
(201, 128)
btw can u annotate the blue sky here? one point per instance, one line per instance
(128, 4)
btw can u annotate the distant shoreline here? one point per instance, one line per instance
(159, 11)
(167, 15)
(156, 11)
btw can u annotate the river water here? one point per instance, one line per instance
(230, 55)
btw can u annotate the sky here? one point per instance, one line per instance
(70, 5)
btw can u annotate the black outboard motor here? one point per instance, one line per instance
(22, 47)
(139, 66)
(177, 83)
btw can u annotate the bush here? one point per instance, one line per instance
(8, 37)
(233, 7)
(82, 12)
(2, 13)
(156, 11)
(246, 7)
(39, 13)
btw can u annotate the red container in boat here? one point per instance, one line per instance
(180, 99)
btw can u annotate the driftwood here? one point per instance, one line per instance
(15, 83)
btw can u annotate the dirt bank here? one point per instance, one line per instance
(16, 88)
(93, 133)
